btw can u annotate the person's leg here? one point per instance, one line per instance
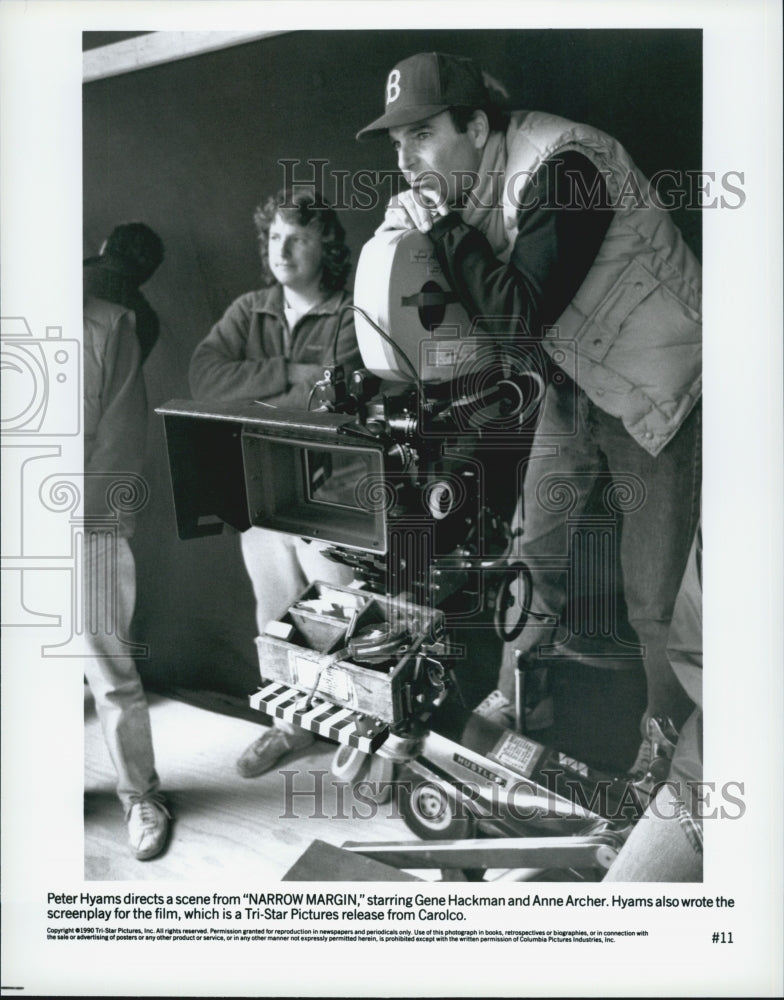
(666, 843)
(656, 537)
(274, 572)
(557, 481)
(280, 567)
(684, 643)
(109, 596)
(664, 846)
(314, 565)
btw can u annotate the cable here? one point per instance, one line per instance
(336, 336)
(395, 347)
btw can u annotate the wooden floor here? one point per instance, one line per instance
(225, 827)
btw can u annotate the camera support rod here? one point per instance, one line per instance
(587, 851)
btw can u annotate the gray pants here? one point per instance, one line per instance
(109, 598)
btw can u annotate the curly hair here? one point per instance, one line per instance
(306, 209)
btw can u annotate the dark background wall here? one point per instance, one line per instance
(191, 147)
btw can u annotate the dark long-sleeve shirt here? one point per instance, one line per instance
(558, 238)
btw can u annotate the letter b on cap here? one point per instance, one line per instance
(393, 86)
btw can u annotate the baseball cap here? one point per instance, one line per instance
(425, 85)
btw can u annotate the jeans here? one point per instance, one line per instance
(666, 843)
(664, 846)
(644, 524)
(109, 597)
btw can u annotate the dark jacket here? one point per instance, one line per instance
(243, 356)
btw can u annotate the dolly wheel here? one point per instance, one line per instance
(430, 813)
(349, 764)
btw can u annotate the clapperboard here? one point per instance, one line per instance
(352, 729)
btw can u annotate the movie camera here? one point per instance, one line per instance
(394, 470)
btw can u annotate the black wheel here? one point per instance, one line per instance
(513, 602)
(430, 813)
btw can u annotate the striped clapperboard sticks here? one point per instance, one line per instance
(352, 729)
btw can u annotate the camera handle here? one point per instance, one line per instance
(509, 600)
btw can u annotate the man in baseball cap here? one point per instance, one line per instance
(448, 94)
(425, 85)
(531, 222)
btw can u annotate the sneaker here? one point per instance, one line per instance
(265, 752)
(148, 828)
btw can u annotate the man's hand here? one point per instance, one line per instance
(417, 208)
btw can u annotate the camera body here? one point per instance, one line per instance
(382, 504)
(388, 474)
(396, 475)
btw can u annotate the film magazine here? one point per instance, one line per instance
(416, 844)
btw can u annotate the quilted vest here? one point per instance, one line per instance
(632, 335)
